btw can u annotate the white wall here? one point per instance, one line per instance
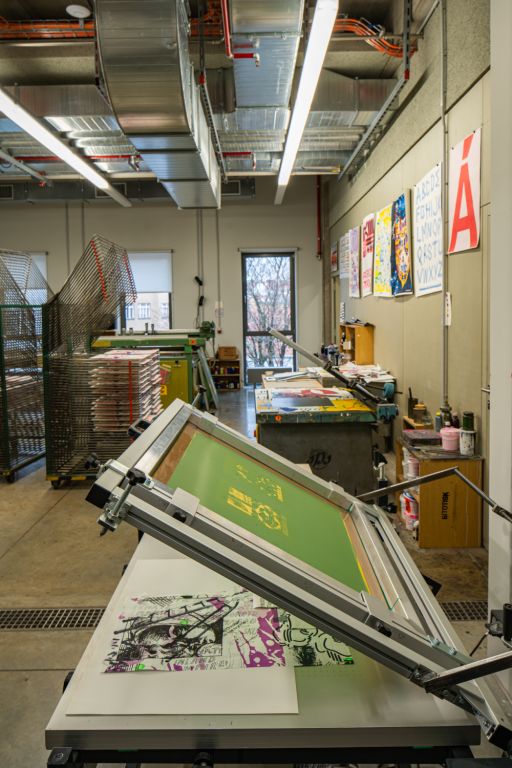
(62, 229)
(500, 532)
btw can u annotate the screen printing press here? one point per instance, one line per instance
(326, 579)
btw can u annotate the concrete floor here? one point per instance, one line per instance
(51, 556)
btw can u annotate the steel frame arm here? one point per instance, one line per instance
(424, 479)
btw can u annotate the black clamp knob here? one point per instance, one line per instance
(136, 476)
(92, 461)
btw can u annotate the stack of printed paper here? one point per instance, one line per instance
(126, 387)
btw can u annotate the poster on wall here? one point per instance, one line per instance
(464, 194)
(353, 247)
(428, 233)
(401, 259)
(334, 257)
(367, 247)
(344, 256)
(382, 255)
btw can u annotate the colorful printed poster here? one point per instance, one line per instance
(354, 289)
(428, 233)
(382, 257)
(344, 256)
(233, 630)
(334, 257)
(464, 194)
(367, 248)
(401, 260)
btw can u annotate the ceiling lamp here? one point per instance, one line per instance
(319, 37)
(78, 11)
(40, 133)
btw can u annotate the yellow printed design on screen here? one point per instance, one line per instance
(265, 484)
(264, 513)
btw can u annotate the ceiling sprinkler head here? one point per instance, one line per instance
(78, 11)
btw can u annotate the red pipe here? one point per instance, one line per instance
(227, 30)
(242, 154)
(319, 248)
(55, 159)
(46, 30)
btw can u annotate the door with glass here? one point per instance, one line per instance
(268, 302)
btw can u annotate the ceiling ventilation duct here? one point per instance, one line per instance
(150, 80)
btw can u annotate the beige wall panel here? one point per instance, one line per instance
(160, 226)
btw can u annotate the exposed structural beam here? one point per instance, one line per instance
(363, 149)
(24, 167)
(320, 35)
(44, 136)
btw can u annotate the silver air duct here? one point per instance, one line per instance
(150, 80)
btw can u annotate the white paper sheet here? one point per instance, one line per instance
(218, 692)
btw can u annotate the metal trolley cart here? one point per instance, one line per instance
(309, 548)
(23, 291)
(90, 302)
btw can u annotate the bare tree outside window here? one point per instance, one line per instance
(268, 304)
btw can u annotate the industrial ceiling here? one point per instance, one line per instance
(63, 71)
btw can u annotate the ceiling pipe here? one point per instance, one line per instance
(226, 27)
(23, 167)
(214, 25)
(55, 159)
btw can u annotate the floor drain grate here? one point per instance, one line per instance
(466, 610)
(49, 618)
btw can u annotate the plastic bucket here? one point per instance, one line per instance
(450, 438)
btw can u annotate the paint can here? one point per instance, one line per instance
(413, 467)
(450, 438)
(468, 420)
(467, 442)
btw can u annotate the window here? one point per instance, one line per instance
(269, 302)
(153, 281)
(144, 311)
(129, 312)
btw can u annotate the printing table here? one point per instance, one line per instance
(361, 713)
(334, 436)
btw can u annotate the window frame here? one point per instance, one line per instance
(246, 255)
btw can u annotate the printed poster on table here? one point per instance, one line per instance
(367, 248)
(344, 256)
(334, 257)
(201, 633)
(401, 261)
(353, 239)
(464, 194)
(382, 256)
(428, 233)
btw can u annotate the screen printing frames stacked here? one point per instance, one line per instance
(93, 296)
(23, 291)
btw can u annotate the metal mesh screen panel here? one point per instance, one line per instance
(89, 303)
(23, 290)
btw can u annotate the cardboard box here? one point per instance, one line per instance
(227, 353)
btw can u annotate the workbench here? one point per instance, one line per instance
(360, 713)
(329, 429)
(450, 514)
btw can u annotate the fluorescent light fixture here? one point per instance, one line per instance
(319, 37)
(38, 131)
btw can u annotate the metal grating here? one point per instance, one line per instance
(476, 610)
(23, 619)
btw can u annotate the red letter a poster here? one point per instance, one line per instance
(464, 194)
